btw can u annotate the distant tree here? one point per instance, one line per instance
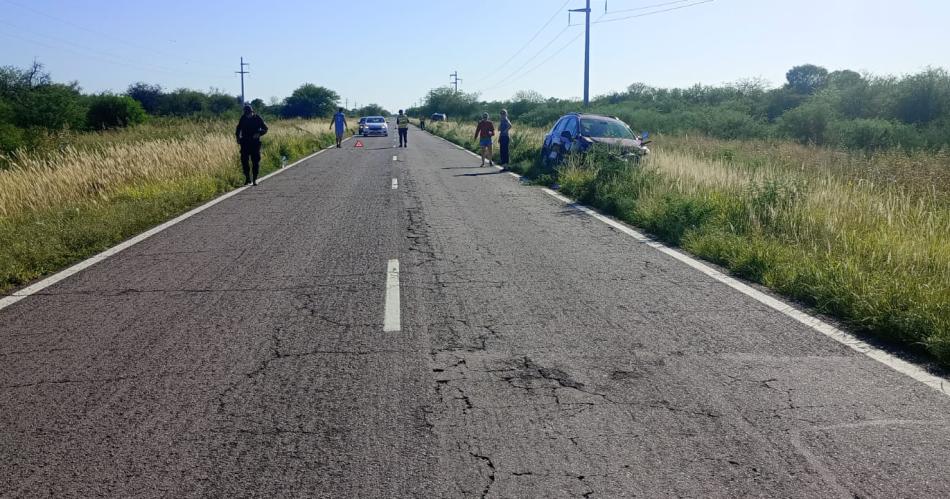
(923, 97)
(14, 82)
(522, 102)
(372, 110)
(53, 106)
(807, 123)
(310, 101)
(850, 94)
(184, 102)
(219, 103)
(640, 91)
(807, 79)
(780, 100)
(447, 100)
(257, 103)
(845, 79)
(149, 96)
(114, 111)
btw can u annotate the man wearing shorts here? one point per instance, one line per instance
(483, 133)
(339, 122)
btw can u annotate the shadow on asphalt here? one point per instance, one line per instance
(460, 167)
(479, 174)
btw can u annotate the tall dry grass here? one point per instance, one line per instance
(89, 191)
(91, 170)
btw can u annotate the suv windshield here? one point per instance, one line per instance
(605, 127)
(375, 120)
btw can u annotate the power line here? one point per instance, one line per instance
(103, 57)
(503, 80)
(653, 13)
(646, 7)
(545, 61)
(512, 76)
(86, 51)
(102, 34)
(526, 44)
(516, 76)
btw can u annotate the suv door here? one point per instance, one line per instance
(555, 132)
(571, 126)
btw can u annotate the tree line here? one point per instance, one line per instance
(32, 106)
(838, 108)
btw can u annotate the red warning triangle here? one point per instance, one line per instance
(359, 143)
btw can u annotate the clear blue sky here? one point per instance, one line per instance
(392, 52)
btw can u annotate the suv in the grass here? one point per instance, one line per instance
(577, 132)
(437, 117)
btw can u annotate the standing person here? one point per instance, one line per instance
(402, 122)
(249, 130)
(484, 132)
(422, 123)
(504, 128)
(339, 122)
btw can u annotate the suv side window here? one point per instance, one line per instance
(571, 126)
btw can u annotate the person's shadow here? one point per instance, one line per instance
(480, 174)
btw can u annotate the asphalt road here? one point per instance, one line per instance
(538, 353)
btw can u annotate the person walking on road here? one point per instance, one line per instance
(339, 122)
(422, 123)
(504, 129)
(483, 133)
(402, 123)
(249, 130)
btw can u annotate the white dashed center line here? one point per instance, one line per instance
(391, 320)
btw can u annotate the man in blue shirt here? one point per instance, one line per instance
(339, 122)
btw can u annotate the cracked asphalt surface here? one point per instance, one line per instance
(241, 353)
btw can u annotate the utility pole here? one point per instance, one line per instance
(242, 72)
(455, 80)
(586, 11)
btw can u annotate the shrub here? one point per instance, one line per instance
(807, 123)
(11, 138)
(114, 111)
(873, 134)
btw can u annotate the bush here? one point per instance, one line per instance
(52, 107)
(873, 134)
(114, 111)
(807, 123)
(11, 138)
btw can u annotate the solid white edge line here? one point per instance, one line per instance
(896, 363)
(391, 319)
(89, 262)
(847, 339)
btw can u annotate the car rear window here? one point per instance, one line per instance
(607, 128)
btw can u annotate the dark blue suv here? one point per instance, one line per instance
(576, 133)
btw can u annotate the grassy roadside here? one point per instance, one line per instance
(96, 190)
(864, 238)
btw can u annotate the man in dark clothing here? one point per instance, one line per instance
(402, 123)
(249, 131)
